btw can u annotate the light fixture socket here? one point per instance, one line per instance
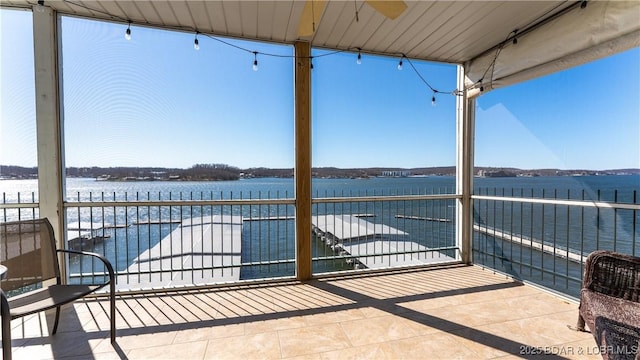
(127, 33)
(255, 61)
(40, 6)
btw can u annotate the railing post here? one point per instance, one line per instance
(48, 120)
(465, 128)
(303, 159)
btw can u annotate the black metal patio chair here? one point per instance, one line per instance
(28, 251)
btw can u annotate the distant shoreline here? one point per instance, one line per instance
(221, 172)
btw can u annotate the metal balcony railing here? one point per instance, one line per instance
(157, 240)
(167, 240)
(544, 236)
(378, 232)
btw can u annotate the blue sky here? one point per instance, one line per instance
(155, 101)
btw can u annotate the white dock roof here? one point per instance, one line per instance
(347, 227)
(197, 243)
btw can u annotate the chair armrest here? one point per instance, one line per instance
(4, 305)
(6, 326)
(613, 274)
(107, 264)
(112, 286)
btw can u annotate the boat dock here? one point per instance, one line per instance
(208, 249)
(531, 243)
(350, 235)
(85, 235)
(190, 252)
(351, 227)
(422, 218)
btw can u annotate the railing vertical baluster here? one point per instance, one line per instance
(93, 240)
(635, 221)
(192, 240)
(19, 211)
(181, 213)
(104, 224)
(115, 240)
(504, 225)
(67, 245)
(260, 257)
(615, 221)
(582, 236)
(138, 226)
(292, 239)
(494, 225)
(490, 255)
(521, 230)
(555, 230)
(171, 222)
(269, 230)
(202, 239)
(284, 218)
(568, 245)
(544, 215)
(160, 226)
(531, 217)
(598, 223)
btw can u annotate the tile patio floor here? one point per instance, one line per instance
(446, 312)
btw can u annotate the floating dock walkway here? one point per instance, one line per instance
(85, 235)
(531, 243)
(422, 218)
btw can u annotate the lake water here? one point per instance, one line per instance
(594, 187)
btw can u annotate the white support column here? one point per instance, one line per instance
(465, 132)
(48, 119)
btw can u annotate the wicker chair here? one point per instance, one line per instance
(28, 250)
(610, 303)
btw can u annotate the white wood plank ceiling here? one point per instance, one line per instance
(444, 31)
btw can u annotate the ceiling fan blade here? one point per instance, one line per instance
(310, 17)
(390, 8)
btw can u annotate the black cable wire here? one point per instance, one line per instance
(532, 24)
(456, 92)
(255, 53)
(97, 11)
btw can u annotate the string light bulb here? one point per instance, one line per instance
(196, 44)
(359, 60)
(255, 61)
(433, 99)
(40, 6)
(127, 34)
(400, 63)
